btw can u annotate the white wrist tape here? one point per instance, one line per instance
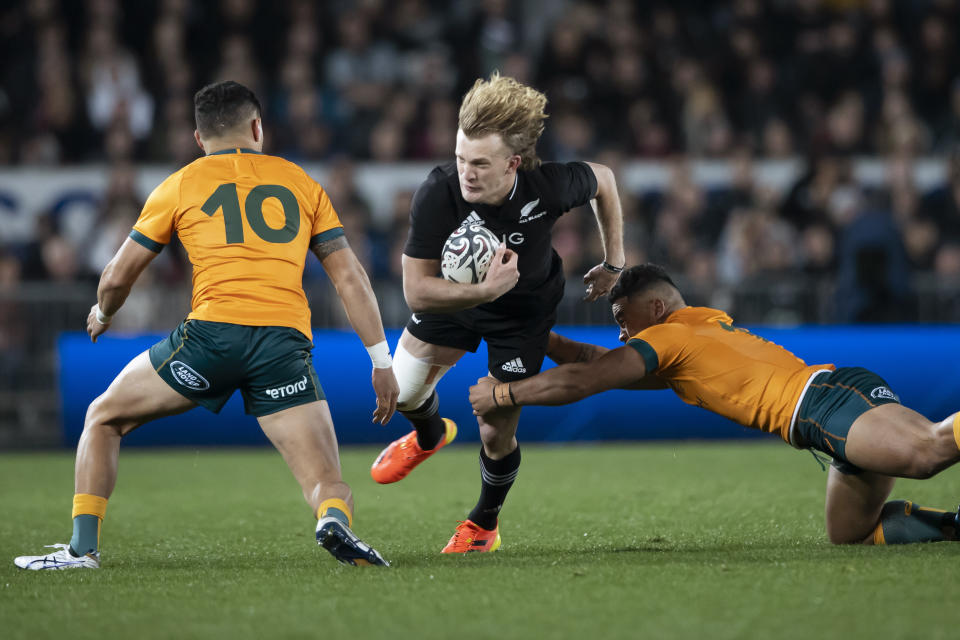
(380, 355)
(102, 318)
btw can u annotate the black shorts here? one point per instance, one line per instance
(516, 344)
(831, 404)
(208, 361)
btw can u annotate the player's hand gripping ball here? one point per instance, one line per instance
(467, 254)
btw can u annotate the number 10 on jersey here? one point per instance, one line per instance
(226, 198)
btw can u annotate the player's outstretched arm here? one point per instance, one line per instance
(426, 292)
(115, 283)
(353, 286)
(562, 350)
(621, 367)
(606, 206)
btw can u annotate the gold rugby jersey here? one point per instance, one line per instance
(728, 370)
(246, 221)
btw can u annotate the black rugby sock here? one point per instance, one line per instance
(427, 422)
(903, 522)
(497, 477)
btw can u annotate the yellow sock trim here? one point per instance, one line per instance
(931, 509)
(956, 428)
(878, 535)
(86, 504)
(336, 503)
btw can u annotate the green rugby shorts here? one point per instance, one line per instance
(831, 404)
(207, 361)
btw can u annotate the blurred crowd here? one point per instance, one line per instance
(381, 80)
(745, 81)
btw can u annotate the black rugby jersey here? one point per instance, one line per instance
(539, 197)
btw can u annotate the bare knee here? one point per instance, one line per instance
(498, 440)
(492, 437)
(836, 538)
(851, 527)
(922, 469)
(102, 416)
(841, 536)
(934, 450)
(853, 505)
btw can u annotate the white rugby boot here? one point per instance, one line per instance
(59, 559)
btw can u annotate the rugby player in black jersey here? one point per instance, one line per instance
(498, 181)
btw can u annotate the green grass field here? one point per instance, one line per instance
(624, 540)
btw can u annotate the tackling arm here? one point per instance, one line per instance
(565, 384)
(426, 292)
(562, 350)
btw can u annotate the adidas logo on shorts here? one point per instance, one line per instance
(514, 366)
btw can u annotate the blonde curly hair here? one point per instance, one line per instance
(508, 108)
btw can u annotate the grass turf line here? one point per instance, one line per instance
(668, 540)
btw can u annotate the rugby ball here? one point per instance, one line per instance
(467, 253)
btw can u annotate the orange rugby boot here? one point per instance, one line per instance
(469, 537)
(402, 456)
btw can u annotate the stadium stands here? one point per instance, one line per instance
(795, 161)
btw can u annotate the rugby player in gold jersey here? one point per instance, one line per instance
(247, 221)
(850, 413)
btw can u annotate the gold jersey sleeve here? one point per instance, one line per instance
(710, 363)
(246, 221)
(154, 227)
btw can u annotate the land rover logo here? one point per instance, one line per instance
(883, 393)
(187, 376)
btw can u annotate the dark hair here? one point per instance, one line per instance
(222, 106)
(638, 279)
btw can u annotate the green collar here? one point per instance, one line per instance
(237, 150)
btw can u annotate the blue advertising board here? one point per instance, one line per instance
(921, 364)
